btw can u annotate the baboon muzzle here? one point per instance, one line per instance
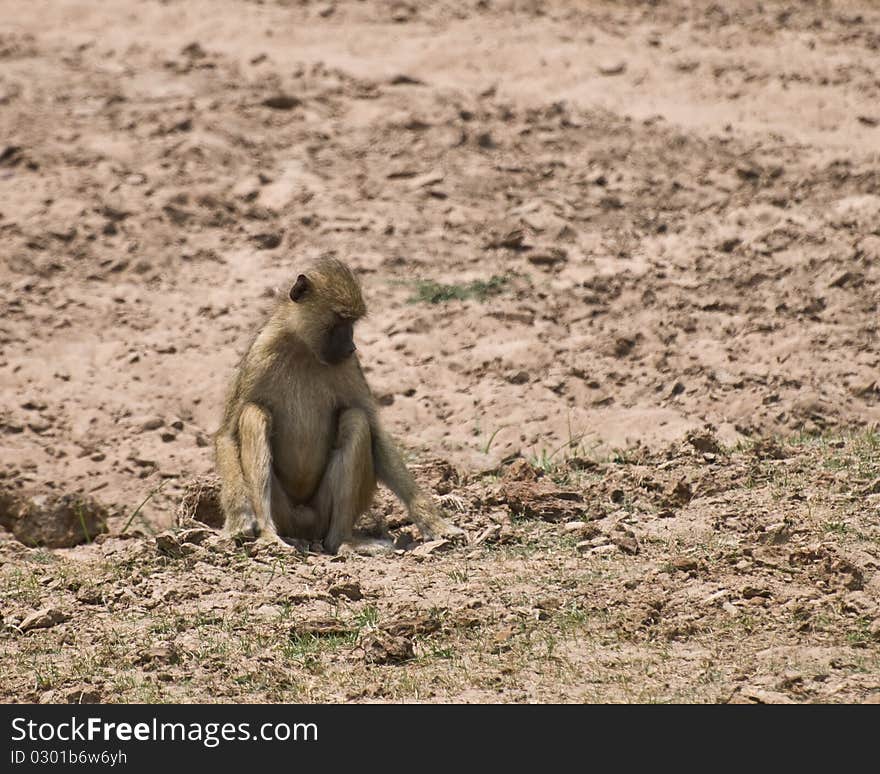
(339, 343)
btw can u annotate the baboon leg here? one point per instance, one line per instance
(293, 521)
(349, 481)
(235, 496)
(254, 428)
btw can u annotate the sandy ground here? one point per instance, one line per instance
(585, 231)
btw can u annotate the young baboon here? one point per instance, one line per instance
(300, 448)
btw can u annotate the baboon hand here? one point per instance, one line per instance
(430, 521)
(243, 526)
(246, 528)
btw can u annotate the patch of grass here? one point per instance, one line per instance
(860, 636)
(367, 618)
(24, 587)
(306, 649)
(42, 556)
(458, 575)
(434, 650)
(430, 292)
(134, 514)
(492, 438)
(560, 468)
(571, 617)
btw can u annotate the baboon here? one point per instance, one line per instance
(300, 448)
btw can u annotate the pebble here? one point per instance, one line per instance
(44, 619)
(432, 547)
(612, 67)
(349, 589)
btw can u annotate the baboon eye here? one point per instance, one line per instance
(299, 287)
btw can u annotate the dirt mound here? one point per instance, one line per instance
(52, 521)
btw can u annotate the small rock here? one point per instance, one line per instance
(194, 50)
(612, 67)
(281, 102)
(489, 535)
(151, 423)
(166, 543)
(874, 630)
(704, 442)
(548, 257)
(89, 595)
(83, 694)
(750, 695)
(718, 596)
(501, 639)
(402, 12)
(433, 547)
(350, 590)
(520, 470)
(44, 619)
(268, 612)
(684, 564)
(680, 494)
(769, 449)
(418, 624)
(165, 654)
(626, 543)
(426, 180)
(267, 241)
(486, 141)
(194, 535)
(517, 377)
(39, 425)
(583, 530)
(383, 648)
(775, 534)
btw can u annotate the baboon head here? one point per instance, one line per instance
(328, 303)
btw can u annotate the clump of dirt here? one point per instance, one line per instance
(50, 520)
(201, 502)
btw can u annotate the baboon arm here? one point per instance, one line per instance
(234, 491)
(254, 430)
(392, 471)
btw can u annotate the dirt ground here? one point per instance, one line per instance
(623, 263)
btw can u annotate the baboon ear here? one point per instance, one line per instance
(299, 287)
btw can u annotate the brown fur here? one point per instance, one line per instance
(301, 448)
